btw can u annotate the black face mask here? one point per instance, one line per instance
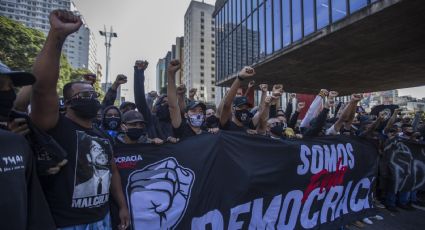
(212, 122)
(85, 108)
(111, 123)
(163, 113)
(6, 102)
(135, 133)
(278, 129)
(244, 116)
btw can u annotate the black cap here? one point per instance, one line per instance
(18, 78)
(132, 116)
(194, 104)
(242, 100)
(126, 103)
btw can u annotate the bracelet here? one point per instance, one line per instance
(239, 77)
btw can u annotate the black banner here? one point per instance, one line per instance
(406, 163)
(236, 181)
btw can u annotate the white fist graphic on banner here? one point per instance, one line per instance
(159, 194)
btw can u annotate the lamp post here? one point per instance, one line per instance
(108, 37)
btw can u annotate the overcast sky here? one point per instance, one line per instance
(146, 30)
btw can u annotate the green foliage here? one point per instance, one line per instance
(20, 45)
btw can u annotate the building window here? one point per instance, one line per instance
(202, 27)
(212, 69)
(202, 60)
(202, 20)
(212, 76)
(202, 53)
(202, 13)
(212, 55)
(213, 62)
(213, 96)
(202, 40)
(212, 48)
(202, 81)
(202, 95)
(202, 67)
(213, 89)
(202, 47)
(202, 88)
(202, 74)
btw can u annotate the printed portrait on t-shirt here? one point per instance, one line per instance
(92, 171)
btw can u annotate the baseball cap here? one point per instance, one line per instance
(242, 100)
(18, 78)
(194, 104)
(126, 103)
(133, 116)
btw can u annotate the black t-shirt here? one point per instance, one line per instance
(79, 193)
(184, 130)
(232, 126)
(22, 201)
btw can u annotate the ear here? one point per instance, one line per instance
(185, 115)
(88, 158)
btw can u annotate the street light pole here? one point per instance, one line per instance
(108, 38)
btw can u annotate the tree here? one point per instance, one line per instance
(20, 45)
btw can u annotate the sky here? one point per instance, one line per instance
(146, 30)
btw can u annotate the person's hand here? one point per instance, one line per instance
(124, 218)
(192, 92)
(330, 102)
(323, 92)
(333, 94)
(251, 84)
(64, 23)
(293, 95)
(19, 126)
(57, 168)
(157, 141)
(268, 100)
(181, 90)
(213, 130)
(277, 90)
(356, 97)
(383, 115)
(91, 78)
(300, 106)
(251, 131)
(174, 66)
(246, 72)
(173, 140)
(264, 87)
(142, 65)
(121, 79)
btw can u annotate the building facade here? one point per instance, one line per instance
(249, 32)
(160, 75)
(199, 50)
(79, 48)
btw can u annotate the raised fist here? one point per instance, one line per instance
(90, 78)
(323, 92)
(333, 94)
(268, 100)
(64, 22)
(181, 90)
(356, 97)
(246, 72)
(141, 64)
(301, 105)
(192, 92)
(159, 194)
(277, 90)
(251, 84)
(264, 87)
(121, 79)
(293, 95)
(174, 66)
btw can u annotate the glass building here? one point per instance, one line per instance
(250, 31)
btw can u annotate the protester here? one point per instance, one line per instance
(78, 196)
(111, 94)
(23, 205)
(111, 120)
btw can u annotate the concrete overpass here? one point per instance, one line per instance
(378, 48)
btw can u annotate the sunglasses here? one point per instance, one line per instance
(86, 95)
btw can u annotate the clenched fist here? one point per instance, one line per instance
(64, 23)
(246, 72)
(159, 194)
(174, 66)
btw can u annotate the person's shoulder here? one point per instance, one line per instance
(7, 136)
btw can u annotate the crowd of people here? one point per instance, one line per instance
(57, 169)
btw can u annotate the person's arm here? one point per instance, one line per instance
(347, 112)
(23, 99)
(118, 195)
(225, 106)
(294, 117)
(315, 129)
(44, 99)
(391, 121)
(139, 90)
(111, 94)
(264, 114)
(314, 108)
(251, 84)
(288, 110)
(374, 125)
(175, 114)
(416, 120)
(256, 118)
(181, 92)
